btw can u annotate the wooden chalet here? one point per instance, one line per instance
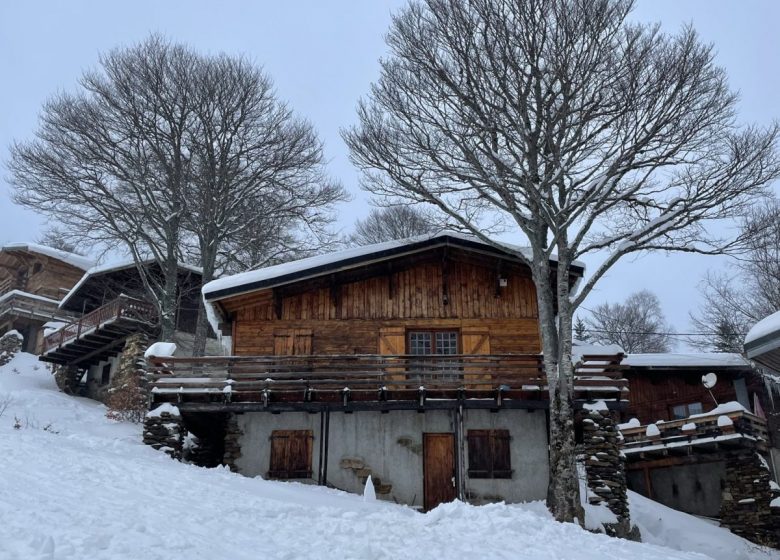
(416, 362)
(33, 280)
(679, 435)
(109, 304)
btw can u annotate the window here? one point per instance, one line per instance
(681, 411)
(290, 454)
(105, 375)
(433, 343)
(489, 454)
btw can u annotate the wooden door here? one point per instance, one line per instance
(438, 469)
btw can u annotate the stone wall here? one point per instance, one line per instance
(10, 345)
(746, 508)
(164, 430)
(67, 378)
(127, 396)
(233, 435)
(605, 468)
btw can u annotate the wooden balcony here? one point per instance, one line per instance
(700, 434)
(98, 334)
(15, 304)
(373, 382)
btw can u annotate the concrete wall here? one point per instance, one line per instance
(389, 446)
(692, 488)
(96, 389)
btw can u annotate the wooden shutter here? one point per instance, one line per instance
(291, 452)
(292, 342)
(489, 454)
(392, 341)
(479, 453)
(476, 342)
(499, 443)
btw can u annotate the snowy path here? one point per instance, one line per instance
(91, 491)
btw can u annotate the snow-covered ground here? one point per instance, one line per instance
(76, 485)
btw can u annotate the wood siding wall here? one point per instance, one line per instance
(654, 394)
(349, 317)
(53, 279)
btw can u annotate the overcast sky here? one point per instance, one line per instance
(322, 55)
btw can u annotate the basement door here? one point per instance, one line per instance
(438, 469)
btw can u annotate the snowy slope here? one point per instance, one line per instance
(85, 487)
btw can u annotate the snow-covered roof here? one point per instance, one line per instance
(11, 293)
(356, 256)
(112, 267)
(79, 261)
(766, 326)
(673, 360)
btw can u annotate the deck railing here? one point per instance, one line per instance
(370, 377)
(123, 307)
(704, 429)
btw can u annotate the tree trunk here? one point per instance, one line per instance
(208, 259)
(563, 496)
(169, 299)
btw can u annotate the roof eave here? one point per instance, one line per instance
(360, 260)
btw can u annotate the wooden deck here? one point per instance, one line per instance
(700, 434)
(383, 382)
(98, 334)
(18, 304)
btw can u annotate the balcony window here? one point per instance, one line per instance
(434, 343)
(681, 411)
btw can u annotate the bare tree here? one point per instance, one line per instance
(110, 163)
(637, 325)
(55, 239)
(259, 190)
(393, 222)
(559, 120)
(735, 300)
(177, 156)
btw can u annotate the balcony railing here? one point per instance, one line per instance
(123, 307)
(22, 304)
(345, 378)
(706, 431)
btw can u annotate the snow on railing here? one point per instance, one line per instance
(726, 425)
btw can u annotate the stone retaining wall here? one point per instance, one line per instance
(233, 435)
(164, 430)
(605, 468)
(745, 508)
(10, 345)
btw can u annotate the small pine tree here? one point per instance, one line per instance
(581, 330)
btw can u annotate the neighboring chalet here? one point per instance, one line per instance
(683, 465)
(762, 346)
(111, 306)
(33, 280)
(416, 362)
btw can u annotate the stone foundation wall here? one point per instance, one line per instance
(67, 378)
(164, 430)
(10, 345)
(233, 434)
(127, 396)
(605, 468)
(746, 508)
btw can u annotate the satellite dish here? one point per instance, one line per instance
(709, 380)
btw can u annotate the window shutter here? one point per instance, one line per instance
(279, 454)
(489, 455)
(392, 341)
(292, 342)
(476, 342)
(479, 454)
(291, 453)
(499, 441)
